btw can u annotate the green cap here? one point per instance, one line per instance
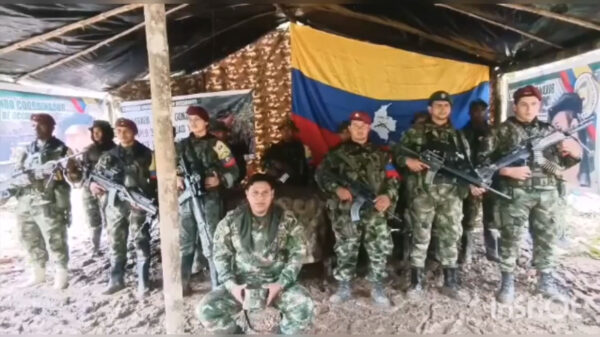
(440, 96)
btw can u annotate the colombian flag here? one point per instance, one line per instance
(333, 76)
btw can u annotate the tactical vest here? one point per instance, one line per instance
(130, 166)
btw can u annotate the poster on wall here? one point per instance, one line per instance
(73, 117)
(571, 93)
(232, 109)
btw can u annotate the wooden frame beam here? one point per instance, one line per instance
(64, 29)
(94, 47)
(552, 15)
(492, 22)
(488, 56)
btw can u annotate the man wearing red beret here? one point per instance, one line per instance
(359, 161)
(215, 166)
(44, 209)
(436, 204)
(533, 188)
(130, 163)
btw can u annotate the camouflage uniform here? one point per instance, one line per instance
(130, 166)
(91, 203)
(438, 204)
(277, 259)
(368, 165)
(534, 201)
(43, 214)
(472, 206)
(204, 156)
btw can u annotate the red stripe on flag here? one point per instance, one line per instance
(319, 140)
(566, 81)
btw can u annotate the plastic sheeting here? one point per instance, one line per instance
(203, 33)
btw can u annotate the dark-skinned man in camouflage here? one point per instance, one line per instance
(130, 163)
(102, 138)
(209, 157)
(358, 160)
(258, 245)
(44, 207)
(533, 188)
(437, 205)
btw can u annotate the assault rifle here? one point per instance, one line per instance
(436, 164)
(533, 148)
(135, 199)
(361, 193)
(194, 192)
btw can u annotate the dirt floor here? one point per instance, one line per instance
(81, 309)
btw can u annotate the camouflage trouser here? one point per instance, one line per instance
(189, 235)
(218, 309)
(534, 209)
(439, 209)
(472, 213)
(93, 210)
(120, 219)
(377, 242)
(42, 230)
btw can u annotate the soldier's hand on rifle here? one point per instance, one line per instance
(477, 191)
(416, 165)
(180, 184)
(518, 173)
(274, 290)
(212, 181)
(570, 148)
(382, 203)
(344, 194)
(96, 189)
(238, 293)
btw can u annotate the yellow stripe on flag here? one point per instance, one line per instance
(377, 71)
(580, 70)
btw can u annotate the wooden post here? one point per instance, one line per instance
(164, 150)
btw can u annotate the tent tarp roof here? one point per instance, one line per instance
(202, 33)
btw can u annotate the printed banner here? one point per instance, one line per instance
(332, 76)
(571, 92)
(232, 108)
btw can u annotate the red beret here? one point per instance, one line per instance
(360, 116)
(195, 110)
(43, 119)
(529, 90)
(127, 123)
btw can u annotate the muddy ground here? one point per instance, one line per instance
(81, 309)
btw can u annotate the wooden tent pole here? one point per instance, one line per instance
(164, 151)
(552, 15)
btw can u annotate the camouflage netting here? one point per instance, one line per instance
(264, 67)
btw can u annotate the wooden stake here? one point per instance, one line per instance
(94, 47)
(556, 16)
(507, 27)
(62, 30)
(164, 151)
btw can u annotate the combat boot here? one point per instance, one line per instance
(416, 289)
(143, 277)
(450, 287)
(379, 297)
(186, 273)
(96, 234)
(343, 293)
(547, 287)
(37, 276)
(61, 278)
(116, 281)
(506, 294)
(466, 251)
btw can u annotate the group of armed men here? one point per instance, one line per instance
(257, 249)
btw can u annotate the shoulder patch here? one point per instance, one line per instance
(222, 150)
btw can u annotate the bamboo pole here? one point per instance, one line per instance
(164, 150)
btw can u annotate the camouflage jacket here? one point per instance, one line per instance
(58, 190)
(506, 137)
(475, 137)
(130, 166)
(279, 260)
(444, 140)
(288, 157)
(365, 164)
(208, 155)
